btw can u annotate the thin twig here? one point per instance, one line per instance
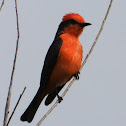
(12, 74)
(2, 5)
(56, 103)
(97, 35)
(85, 60)
(16, 106)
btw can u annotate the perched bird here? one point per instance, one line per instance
(62, 62)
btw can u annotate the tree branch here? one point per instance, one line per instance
(16, 106)
(12, 74)
(2, 5)
(85, 60)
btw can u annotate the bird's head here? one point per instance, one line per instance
(73, 24)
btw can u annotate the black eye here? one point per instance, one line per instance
(69, 22)
(66, 24)
(72, 21)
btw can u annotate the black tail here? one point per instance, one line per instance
(29, 114)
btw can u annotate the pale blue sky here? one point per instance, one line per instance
(99, 97)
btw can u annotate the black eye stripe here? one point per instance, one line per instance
(65, 24)
(68, 22)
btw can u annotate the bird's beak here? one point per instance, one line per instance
(85, 24)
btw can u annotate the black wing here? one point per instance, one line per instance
(50, 61)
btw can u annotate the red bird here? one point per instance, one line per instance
(62, 62)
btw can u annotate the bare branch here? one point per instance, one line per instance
(16, 106)
(12, 74)
(2, 5)
(97, 35)
(56, 103)
(85, 60)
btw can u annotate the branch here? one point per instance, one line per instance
(2, 5)
(85, 60)
(12, 74)
(97, 37)
(56, 103)
(16, 106)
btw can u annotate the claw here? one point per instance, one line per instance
(77, 75)
(59, 98)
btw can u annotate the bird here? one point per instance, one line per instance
(62, 62)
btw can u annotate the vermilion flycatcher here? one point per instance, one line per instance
(62, 62)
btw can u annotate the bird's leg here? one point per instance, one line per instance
(59, 97)
(76, 75)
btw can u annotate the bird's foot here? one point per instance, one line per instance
(76, 75)
(59, 98)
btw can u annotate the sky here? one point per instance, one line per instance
(98, 98)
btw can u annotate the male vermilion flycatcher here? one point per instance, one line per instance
(62, 62)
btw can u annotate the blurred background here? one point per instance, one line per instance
(99, 97)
